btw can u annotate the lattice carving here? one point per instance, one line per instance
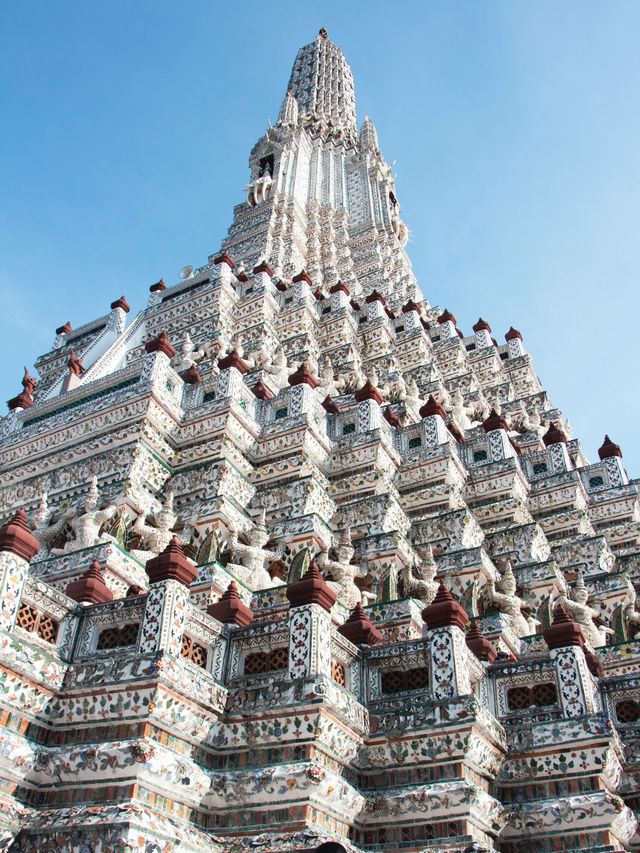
(518, 698)
(31, 620)
(27, 617)
(396, 681)
(542, 695)
(338, 673)
(194, 652)
(627, 711)
(119, 637)
(266, 661)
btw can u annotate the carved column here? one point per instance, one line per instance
(566, 649)
(449, 663)
(311, 600)
(18, 547)
(170, 576)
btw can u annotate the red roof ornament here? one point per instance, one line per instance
(593, 662)
(24, 400)
(554, 435)
(410, 306)
(90, 588)
(444, 610)
(425, 324)
(311, 589)
(303, 376)
(158, 286)
(133, 590)
(242, 276)
(432, 407)
(494, 421)
(303, 275)
(319, 295)
(191, 375)
(261, 391)
(224, 258)
(329, 406)
(340, 287)
(482, 648)
(368, 392)
(446, 316)
(563, 631)
(75, 364)
(359, 630)
(607, 451)
(263, 266)
(16, 536)
(171, 564)
(374, 296)
(121, 303)
(355, 305)
(160, 344)
(64, 330)
(233, 360)
(230, 608)
(482, 325)
(391, 418)
(513, 334)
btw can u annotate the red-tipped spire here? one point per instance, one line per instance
(358, 628)
(446, 316)
(608, 449)
(230, 608)
(16, 536)
(311, 589)
(233, 360)
(303, 376)
(171, 564)
(444, 610)
(513, 334)
(368, 392)
(160, 344)
(75, 364)
(224, 258)
(554, 435)
(90, 588)
(191, 375)
(121, 303)
(432, 407)
(158, 286)
(563, 631)
(482, 648)
(482, 325)
(494, 421)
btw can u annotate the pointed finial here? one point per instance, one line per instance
(230, 608)
(359, 629)
(16, 536)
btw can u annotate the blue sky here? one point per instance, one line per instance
(515, 127)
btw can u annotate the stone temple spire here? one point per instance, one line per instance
(322, 83)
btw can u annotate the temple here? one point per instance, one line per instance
(288, 557)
